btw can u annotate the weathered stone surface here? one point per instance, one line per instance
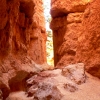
(1, 96)
(89, 40)
(71, 87)
(45, 85)
(23, 31)
(58, 84)
(22, 42)
(74, 18)
(58, 23)
(62, 8)
(3, 14)
(47, 90)
(75, 26)
(66, 29)
(20, 95)
(75, 72)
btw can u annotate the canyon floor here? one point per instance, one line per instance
(69, 83)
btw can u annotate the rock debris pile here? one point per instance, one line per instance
(59, 84)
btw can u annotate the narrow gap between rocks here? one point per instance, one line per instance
(49, 43)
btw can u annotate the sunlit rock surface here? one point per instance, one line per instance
(75, 25)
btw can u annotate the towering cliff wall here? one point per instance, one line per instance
(22, 40)
(22, 29)
(76, 33)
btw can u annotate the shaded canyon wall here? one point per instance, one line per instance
(22, 41)
(22, 29)
(76, 33)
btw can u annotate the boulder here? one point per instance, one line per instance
(75, 72)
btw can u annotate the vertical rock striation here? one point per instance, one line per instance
(22, 29)
(76, 33)
(22, 40)
(89, 41)
(67, 26)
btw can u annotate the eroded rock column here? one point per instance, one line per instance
(67, 27)
(75, 25)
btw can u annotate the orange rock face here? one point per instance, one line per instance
(89, 41)
(75, 26)
(22, 29)
(22, 40)
(67, 26)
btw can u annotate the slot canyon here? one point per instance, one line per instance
(24, 71)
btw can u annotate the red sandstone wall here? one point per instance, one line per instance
(22, 29)
(22, 39)
(89, 41)
(76, 33)
(67, 26)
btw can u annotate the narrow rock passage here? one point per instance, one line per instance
(49, 43)
(24, 72)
